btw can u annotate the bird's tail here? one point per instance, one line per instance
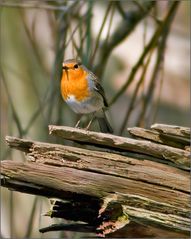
(104, 125)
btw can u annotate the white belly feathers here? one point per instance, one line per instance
(89, 105)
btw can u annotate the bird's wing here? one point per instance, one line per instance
(99, 88)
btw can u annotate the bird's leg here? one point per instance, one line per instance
(78, 122)
(89, 124)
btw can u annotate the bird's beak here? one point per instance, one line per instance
(66, 70)
(67, 74)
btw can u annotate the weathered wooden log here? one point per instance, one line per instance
(105, 190)
(142, 190)
(141, 201)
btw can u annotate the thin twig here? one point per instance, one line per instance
(11, 215)
(71, 38)
(37, 5)
(88, 38)
(161, 79)
(32, 42)
(121, 10)
(15, 116)
(31, 219)
(39, 60)
(110, 22)
(132, 102)
(59, 54)
(100, 32)
(80, 37)
(160, 57)
(123, 29)
(158, 21)
(152, 43)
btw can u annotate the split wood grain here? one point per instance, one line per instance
(169, 202)
(103, 162)
(178, 156)
(172, 129)
(159, 137)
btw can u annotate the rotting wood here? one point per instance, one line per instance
(104, 190)
(159, 137)
(103, 162)
(178, 156)
(172, 129)
(170, 202)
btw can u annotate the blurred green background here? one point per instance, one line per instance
(36, 36)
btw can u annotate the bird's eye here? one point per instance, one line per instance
(76, 66)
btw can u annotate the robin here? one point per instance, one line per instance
(83, 93)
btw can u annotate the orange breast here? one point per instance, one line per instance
(74, 83)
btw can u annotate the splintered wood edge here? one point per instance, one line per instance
(172, 129)
(158, 137)
(20, 144)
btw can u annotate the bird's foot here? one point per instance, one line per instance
(89, 124)
(77, 124)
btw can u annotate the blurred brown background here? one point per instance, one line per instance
(35, 37)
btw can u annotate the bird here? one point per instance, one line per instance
(83, 93)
